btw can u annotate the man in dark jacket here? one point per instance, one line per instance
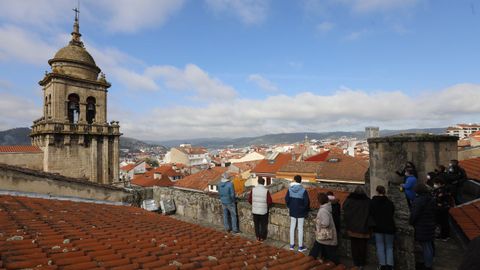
(356, 209)
(227, 197)
(298, 204)
(443, 202)
(422, 218)
(456, 177)
(382, 211)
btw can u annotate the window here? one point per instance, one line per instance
(73, 108)
(91, 109)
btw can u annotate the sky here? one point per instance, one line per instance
(183, 69)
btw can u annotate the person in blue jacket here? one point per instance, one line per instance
(408, 187)
(299, 204)
(227, 197)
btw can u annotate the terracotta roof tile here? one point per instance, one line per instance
(199, 181)
(279, 197)
(128, 167)
(19, 149)
(272, 167)
(467, 216)
(343, 167)
(103, 237)
(318, 157)
(301, 167)
(472, 168)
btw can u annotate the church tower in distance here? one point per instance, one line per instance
(74, 134)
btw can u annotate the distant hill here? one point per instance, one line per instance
(214, 143)
(19, 136)
(16, 136)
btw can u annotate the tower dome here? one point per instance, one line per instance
(74, 60)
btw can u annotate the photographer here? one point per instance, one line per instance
(456, 177)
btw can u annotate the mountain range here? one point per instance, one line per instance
(19, 136)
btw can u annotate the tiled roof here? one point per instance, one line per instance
(199, 181)
(467, 216)
(148, 180)
(301, 167)
(166, 170)
(64, 235)
(346, 168)
(279, 197)
(193, 150)
(19, 149)
(318, 157)
(247, 165)
(128, 167)
(472, 167)
(475, 136)
(267, 166)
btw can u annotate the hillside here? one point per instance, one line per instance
(19, 136)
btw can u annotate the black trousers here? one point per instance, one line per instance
(261, 225)
(359, 250)
(442, 217)
(327, 252)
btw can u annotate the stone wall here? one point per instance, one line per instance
(389, 154)
(19, 179)
(203, 208)
(27, 160)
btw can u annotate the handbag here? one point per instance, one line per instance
(324, 234)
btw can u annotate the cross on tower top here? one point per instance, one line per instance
(77, 11)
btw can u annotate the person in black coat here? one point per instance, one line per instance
(336, 210)
(456, 177)
(422, 218)
(382, 212)
(356, 209)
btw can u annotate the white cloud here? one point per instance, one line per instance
(131, 15)
(11, 105)
(367, 6)
(343, 110)
(325, 27)
(262, 83)
(192, 78)
(39, 13)
(356, 35)
(248, 11)
(19, 44)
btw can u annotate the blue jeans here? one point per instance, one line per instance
(428, 252)
(230, 209)
(384, 243)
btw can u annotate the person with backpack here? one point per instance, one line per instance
(298, 205)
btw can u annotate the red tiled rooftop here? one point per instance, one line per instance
(467, 216)
(128, 167)
(279, 197)
(19, 149)
(472, 168)
(148, 180)
(50, 234)
(199, 181)
(318, 157)
(267, 166)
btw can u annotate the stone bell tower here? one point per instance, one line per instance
(74, 134)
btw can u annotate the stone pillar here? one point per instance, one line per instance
(93, 160)
(389, 154)
(115, 158)
(105, 158)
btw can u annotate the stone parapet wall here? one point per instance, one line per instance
(204, 208)
(23, 159)
(19, 179)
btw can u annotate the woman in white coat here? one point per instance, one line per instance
(326, 236)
